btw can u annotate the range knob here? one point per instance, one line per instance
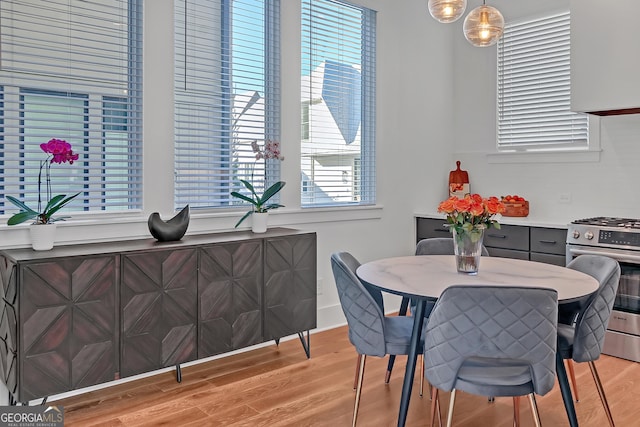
(576, 234)
(588, 235)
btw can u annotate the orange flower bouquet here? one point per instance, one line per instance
(472, 214)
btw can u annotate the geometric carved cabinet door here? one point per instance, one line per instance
(230, 297)
(159, 309)
(68, 325)
(290, 285)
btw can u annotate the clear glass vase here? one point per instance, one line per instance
(467, 246)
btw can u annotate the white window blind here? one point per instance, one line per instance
(226, 97)
(72, 70)
(534, 88)
(337, 104)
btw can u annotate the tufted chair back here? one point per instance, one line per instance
(492, 325)
(365, 316)
(591, 323)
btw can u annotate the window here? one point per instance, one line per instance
(226, 97)
(72, 70)
(534, 88)
(337, 104)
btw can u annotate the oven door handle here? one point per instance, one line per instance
(615, 255)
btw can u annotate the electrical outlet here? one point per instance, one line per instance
(319, 286)
(564, 198)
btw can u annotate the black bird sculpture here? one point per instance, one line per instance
(173, 229)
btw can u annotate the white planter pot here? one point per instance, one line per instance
(259, 222)
(42, 236)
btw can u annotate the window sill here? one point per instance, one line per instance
(134, 226)
(569, 156)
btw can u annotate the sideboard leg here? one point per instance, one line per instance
(305, 344)
(12, 401)
(178, 373)
(277, 342)
(44, 401)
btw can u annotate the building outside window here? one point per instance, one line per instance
(337, 104)
(226, 98)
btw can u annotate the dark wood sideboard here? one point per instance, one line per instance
(82, 315)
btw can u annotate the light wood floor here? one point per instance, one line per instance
(279, 386)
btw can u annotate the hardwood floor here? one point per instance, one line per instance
(279, 386)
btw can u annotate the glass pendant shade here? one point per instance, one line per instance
(483, 26)
(446, 11)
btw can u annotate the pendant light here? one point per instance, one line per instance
(446, 11)
(483, 26)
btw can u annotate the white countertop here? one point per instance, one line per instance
(510, 220)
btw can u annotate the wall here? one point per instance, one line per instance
(602, 187)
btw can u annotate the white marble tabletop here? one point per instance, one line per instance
(430, 275)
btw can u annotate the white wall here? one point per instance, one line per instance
(604, 187)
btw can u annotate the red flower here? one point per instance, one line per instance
(471, 212)
(447, 206)
(463, 205)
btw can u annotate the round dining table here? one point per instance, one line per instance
(425, 277)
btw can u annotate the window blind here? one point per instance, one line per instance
(226, 98)
(72, 71)
(337, 104)
(534, 87)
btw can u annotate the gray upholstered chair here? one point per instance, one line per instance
(430, 246)
(370, 331)
(581, 340)
(492, 341)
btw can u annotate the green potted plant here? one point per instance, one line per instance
(259, 203)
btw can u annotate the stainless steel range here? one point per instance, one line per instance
(618, 238)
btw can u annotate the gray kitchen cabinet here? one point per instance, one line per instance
(510, 241)
(428, 228)
(81, 315)
(548, 245)
(540, 244)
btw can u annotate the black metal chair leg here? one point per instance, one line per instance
(178, 373)
(404, 305)
(392, 359)
(565, 390)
